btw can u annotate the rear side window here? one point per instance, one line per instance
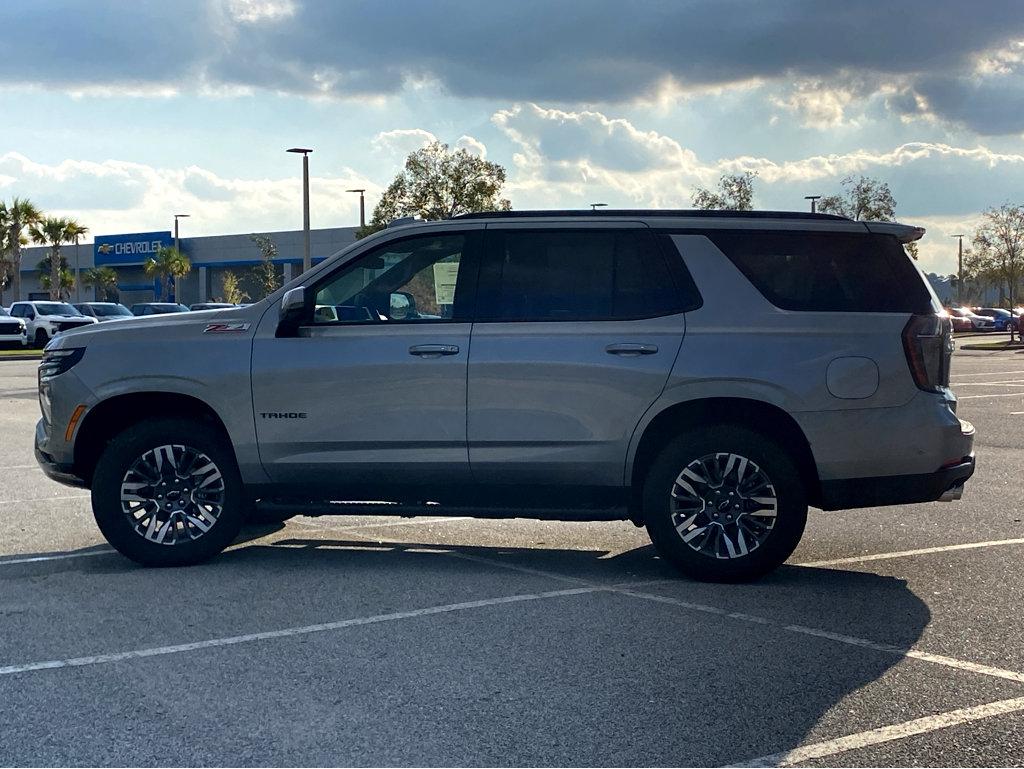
(827, 271)
(566, 275)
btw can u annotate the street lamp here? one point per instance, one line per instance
(959, 269)
(814, 199)
(362, 207)
(595, 206)
(306, 260)
(176, 218)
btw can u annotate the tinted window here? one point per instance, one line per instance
(57, 308)
(558, 275)
(827, 272)
(415, 279)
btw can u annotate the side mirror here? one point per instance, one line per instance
(293, 308)
(402, 306)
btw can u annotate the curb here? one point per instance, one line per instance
(983, 348)
(26, 356)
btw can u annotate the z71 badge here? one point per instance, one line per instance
(226, 328)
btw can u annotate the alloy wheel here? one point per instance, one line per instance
(723, 505)
(172, 494)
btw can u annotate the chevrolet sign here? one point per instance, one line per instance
(129, 249)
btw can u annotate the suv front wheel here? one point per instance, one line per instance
(168, 493)
(724, 504)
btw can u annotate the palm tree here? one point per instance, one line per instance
(55, 231)
(104, 280)
(17, 215)
(168, 263)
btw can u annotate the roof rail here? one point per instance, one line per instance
(404, 220)
(647, 212)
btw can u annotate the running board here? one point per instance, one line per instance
(413, 510)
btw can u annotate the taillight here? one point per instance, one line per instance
(928, 343)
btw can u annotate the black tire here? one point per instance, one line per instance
(41, 338)
(117, 526)
(776, 465)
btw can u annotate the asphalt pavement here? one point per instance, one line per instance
(892, 637)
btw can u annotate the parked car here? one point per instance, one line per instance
(1003, 318)
(103, 311)
(210, 306)
(607, 380)
(978, 322)
(157, 308)
(12, 330)
(960, 322)
(44, 320)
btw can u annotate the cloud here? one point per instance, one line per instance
(117, 196)
(401, 141)
(569, 54)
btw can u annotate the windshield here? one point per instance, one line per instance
(56, 308)
(110, 310)
(998, 313)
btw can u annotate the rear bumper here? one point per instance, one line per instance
(896, 489)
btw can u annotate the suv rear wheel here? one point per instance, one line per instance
(168, 493)
(724, 504)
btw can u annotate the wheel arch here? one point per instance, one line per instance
(764, 417)
(110, 417)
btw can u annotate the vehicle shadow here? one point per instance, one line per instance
(602, 678)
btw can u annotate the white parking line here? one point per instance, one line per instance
(999, 395)
(42, 499)
(60, 557)
(987, 373)
(886, 734)
(1013, 383)
(908, 553)
(101, 659)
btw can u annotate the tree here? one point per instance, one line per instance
(169, 263)
(231, 291)
(61, 289)
(735, 193)
(19, 215)
(437, 183)
(863, 199)
(1000, 241)
(55, 231)
(104, 281)
(265, 273)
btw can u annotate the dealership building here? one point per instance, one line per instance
(211, 257)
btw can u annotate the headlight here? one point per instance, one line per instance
(56, 362)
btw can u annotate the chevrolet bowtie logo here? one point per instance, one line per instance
(106, 248)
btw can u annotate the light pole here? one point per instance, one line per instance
(307, 262)
(595, 206)
(78, 282)
(959, 269)
(176, 218)
(814, 201)
(362, 207)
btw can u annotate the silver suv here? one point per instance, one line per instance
(706, 375)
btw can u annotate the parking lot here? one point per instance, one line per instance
(893, 637)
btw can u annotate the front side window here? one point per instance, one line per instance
(565, 275)
(410, 280)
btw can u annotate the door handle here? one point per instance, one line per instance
(631, 349)
(433, 350)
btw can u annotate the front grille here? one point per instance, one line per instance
(10, 328)
(69, 324)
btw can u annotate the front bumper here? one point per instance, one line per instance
(57, 471)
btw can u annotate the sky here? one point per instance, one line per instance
(122, 113)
